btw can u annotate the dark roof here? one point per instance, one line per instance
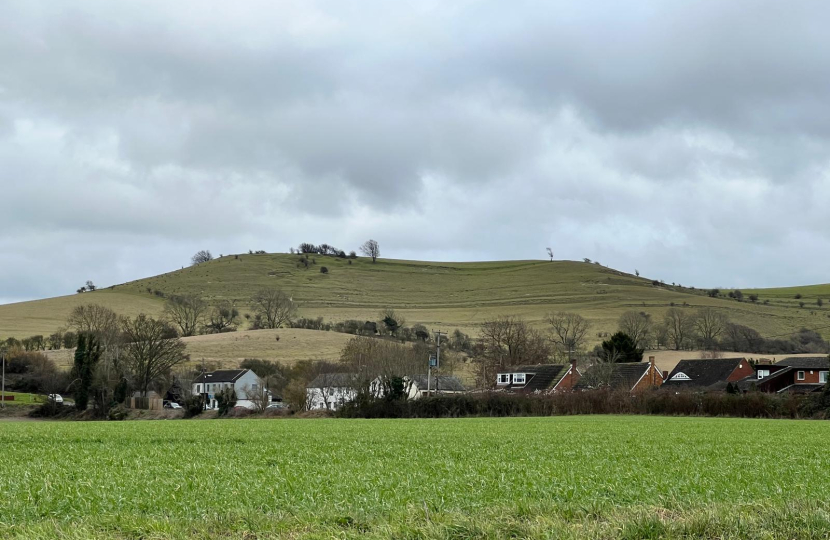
(221, 376)
(539, 377)
(622, 375)
(333, 380)
(802, 388)
(445, 383)
(703, 372)
(805, 362)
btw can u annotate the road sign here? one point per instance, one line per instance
(433, 361)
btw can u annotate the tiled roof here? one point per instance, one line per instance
(703, 372)
(333, 380)
(539, 377)
(221, 376)
(441, 383)
(623, 375)
(806, 362)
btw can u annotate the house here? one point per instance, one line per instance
(539, 378)
(440, 384)
(329, 391)
(634, 377)
(790, 375)
(707, 374)
(244, 382)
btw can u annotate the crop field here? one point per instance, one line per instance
(567, 477)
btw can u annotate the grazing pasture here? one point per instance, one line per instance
(571, 477)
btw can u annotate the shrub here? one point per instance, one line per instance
(324, 270)
(226, 400)
(193, 406)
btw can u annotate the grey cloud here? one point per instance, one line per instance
(664, 137)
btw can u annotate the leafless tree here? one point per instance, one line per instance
(637, 325)
(201, 257)
(508, 341)
(274, 306)
(223, 317)
(550, 253)
(97, 320)
(710, 324)
(679, 327)
(371, 248)
(567, 332)
(148, 352)
(259, 397)
(381, 361)
(186, 312)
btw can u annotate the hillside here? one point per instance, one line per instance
(439, 295)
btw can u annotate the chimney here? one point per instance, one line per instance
(653, 371)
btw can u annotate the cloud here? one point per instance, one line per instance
(688, 141)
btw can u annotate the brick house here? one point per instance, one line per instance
(790, 375)
(708, 374)
(634, 377)
(539, 378)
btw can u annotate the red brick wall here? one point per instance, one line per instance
(741, 371)
(652, 378)
(568, 380)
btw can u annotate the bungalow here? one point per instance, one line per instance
(242, 381)
(441, 384)
(329, 391)
(634, 377)
(708, 374)
(539, 378)
(790, 375)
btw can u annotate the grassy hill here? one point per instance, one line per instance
(439, 295)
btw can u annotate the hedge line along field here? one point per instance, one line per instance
(566, 477)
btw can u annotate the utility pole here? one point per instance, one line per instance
(3, 387)
(438, 335)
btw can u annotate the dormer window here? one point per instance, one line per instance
(518, 378)
(763, 373)
(503, 378)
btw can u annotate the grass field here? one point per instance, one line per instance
(572, 477)
(439, 295)
(23, 399)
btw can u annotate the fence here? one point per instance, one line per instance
(150, 404)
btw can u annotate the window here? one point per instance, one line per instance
(518, 378)
(800, 375)
(763, 373)
(198, 388)
(822, 376)
(504, 378)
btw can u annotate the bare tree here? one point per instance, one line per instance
(187, 312)
(201, 257)
(380, 361)
(371, 248)
(567, 331)
(95, 319)
(90, 286)
(679, 327)
(274, 306)
(508, 341)
(550, 253)
(637, 325)
(149, 352)
(223, 317)
(710, 324)
(259, 396)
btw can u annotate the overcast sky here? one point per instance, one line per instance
(688, 140)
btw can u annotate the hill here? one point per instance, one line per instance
(438, 295)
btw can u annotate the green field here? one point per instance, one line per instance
(574, 477)
(23, 399)
(439, 295)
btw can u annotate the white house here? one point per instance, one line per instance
(330, 391)
(415, 386)
(243, 381)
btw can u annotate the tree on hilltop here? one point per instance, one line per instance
(550, 253)
(371, 248)
(201, 257)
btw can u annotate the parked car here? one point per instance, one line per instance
(276, 405)
(55, 398)
(171, 405)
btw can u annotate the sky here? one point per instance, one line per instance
(687, 140)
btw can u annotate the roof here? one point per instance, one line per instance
(806, 362)
(539, 377)
(445, 383)
(621, 375)
(802, 388)
(221, 376)
(333, 380)
(703, 372)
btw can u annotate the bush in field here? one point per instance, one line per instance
(193, 406)
(226, 400)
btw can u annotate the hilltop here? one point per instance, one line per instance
(438, 295)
